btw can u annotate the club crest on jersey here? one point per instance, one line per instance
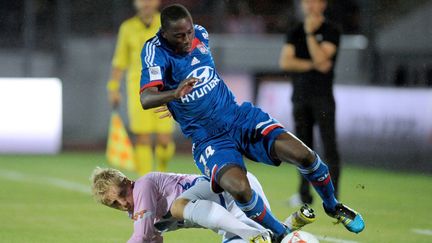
(155, 73)
(208, 80)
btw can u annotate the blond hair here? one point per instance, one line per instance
(104, 181)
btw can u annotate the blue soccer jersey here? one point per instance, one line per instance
(221, 130)
(210, 99)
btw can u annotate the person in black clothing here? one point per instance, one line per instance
(310, 54)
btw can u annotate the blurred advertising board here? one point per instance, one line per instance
(388, 126)
(30, 115)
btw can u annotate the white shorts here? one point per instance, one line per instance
(202, 191)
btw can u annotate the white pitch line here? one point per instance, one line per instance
(334, 240)
(422, 231)
(52, 181)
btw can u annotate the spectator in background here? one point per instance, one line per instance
(310, 54)
(134, 32)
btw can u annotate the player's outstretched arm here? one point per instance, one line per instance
(152, 97)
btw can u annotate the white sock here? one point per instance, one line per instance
(215, 217)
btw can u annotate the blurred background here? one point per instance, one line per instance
(386, 48)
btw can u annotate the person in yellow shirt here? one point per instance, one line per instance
(134, 32)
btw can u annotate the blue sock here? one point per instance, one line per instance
(318, 175)
(257, 211)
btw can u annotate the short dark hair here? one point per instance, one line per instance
(173, 12)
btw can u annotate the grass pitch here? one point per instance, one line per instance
(46, 199)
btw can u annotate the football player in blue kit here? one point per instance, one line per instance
(178, 71)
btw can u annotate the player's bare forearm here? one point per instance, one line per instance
(296, 65)
(151, 97)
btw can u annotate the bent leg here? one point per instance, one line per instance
(212, 216)
(221, 161)
(233, 179)
(289, 148)
(201, 206)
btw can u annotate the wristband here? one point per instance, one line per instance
(113, 85)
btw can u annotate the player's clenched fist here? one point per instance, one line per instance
(185, 87)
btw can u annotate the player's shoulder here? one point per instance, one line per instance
(200, 31)
(146, 184)
(152, 48)
(154, 177)
(199, 28)
(147, 179)
(153, 42)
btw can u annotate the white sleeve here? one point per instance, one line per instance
(256, 186)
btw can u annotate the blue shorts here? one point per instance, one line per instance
(252, 134)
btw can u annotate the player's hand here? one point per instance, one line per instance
(165, 112)
(312, 23)
(114, 98)
(185, 87)
(323, 67)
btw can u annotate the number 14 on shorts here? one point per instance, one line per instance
(209, 151)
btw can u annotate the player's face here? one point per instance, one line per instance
(313, 7)
(147, 7)
(180, 34)
(122, 198)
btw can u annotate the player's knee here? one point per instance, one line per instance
(288, 148)
(240, 190)
(243, 193)
(233, 179)
(164, 139)
(143, 139)
(305, 157)
(299, 156)
(177, 208)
